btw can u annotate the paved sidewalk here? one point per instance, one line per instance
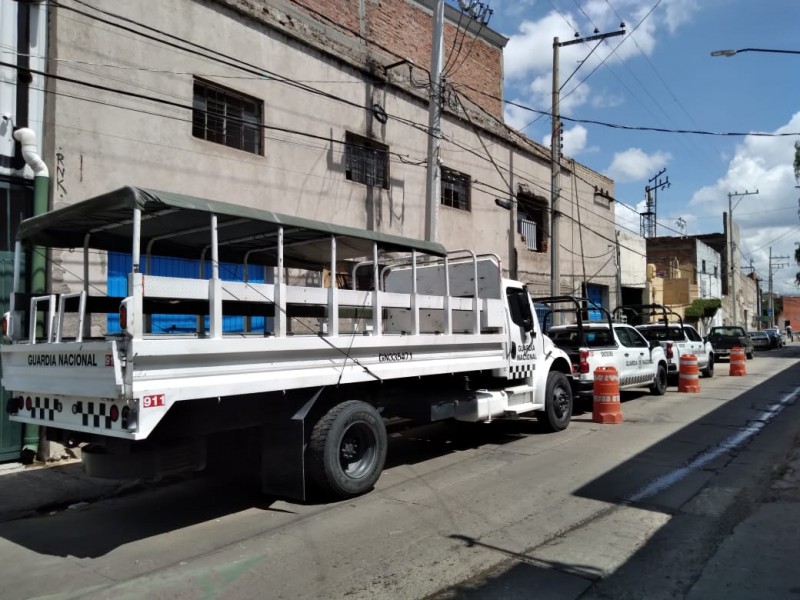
(26, 490)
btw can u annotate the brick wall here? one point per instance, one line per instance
(791, 312)
(404, 29)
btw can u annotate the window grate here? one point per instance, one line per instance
(226, 117)
(366, 161)
(528, 231)
(455, 189)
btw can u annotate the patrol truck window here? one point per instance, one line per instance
(637, 341)
(520, 308)
(692, 334)
(622, 334)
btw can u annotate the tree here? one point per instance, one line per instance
(703, 310)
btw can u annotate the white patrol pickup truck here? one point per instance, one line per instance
(594, 340)
(676, 338)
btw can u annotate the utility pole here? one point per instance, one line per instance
(774, 267)
(434, 181)
(649, 224)
(617, 265)
(732, 265)
(555, 154)
(433, 189)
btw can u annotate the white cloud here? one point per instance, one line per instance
(517, 117)
(634, 164)
(679, 12)
(528, 56)
(769, 219)
(574, 140)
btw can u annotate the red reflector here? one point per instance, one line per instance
(584, 364)
(114, 413)
(669, 350)
(4, 325)
(28, 403)
(123, 316)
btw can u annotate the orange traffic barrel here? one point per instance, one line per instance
(606, 407)
(737, 362)
(689, 374)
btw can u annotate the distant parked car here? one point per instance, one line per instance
(730, 336)
(760, 340)
(775, 336)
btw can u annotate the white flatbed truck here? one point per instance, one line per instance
(351, 327)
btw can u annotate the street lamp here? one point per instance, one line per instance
(735, 52)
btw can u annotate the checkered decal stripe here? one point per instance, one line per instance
(636, 380)
(95, 412)
(45, 408)
(521, 371)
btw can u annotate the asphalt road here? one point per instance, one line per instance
(631, 510)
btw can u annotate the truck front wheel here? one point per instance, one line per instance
(659, 387)
(558, 403)
(347, 449)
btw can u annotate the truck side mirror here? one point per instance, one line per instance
(527, 325)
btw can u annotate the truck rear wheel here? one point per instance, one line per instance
(347, 449)
(558, 403)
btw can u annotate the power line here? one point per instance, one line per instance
(635, 127)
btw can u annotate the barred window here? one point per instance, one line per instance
(455, 189)
(366, 161)
(227, 117)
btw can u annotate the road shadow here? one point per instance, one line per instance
(664, 478)
(122, 513)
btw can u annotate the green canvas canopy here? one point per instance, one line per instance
(179, 225)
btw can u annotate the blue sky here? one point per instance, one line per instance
(662, 75)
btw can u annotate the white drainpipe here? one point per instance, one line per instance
(30, 152)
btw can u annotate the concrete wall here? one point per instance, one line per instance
(633, 260)
(709, 271)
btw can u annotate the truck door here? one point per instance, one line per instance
(697, 347)
(636, 355)
(521, 330)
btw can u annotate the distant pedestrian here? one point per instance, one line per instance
(789, 333)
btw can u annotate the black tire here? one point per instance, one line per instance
(659, 386)
(557, 403)
(347, 449)
(708, 372)
(749, 355)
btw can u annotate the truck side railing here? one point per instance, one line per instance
(158, 294)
